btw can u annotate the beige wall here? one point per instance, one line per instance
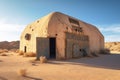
(55, 25)
(56, 29)
(96, 39)
(77, 45)
(36, 29)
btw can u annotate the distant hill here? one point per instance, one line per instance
(9, 45)
(113, 46)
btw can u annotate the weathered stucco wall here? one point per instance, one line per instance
(96, 40)
(30, 44)
(35, 29)
(60, 24)
(77, 45)
(57, 29)
(56, 25)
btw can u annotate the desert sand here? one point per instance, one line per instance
(104, 67)
(113, 46)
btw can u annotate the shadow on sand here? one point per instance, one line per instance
(1, 61)
(2, 78)
(111, 61)
(33, 78)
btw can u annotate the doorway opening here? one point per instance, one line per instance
(25, 49)
(52, 46)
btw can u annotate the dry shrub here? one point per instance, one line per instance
(3, 50)
(104, 51)
(32, 60)
(115, 43)
(95, 54)
(17, 51)
(21, 52)
(22, 72)
(3, 54)
(14, 50)
(43, 59)
(30, 54)
(113, 46)
(90, 55)
(26, 55)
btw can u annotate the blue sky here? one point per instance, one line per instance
(16, 14)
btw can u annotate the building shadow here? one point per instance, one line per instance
(111, 61)
(2, 78)
(33, 78)
(54, 62)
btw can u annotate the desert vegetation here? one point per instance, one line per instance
(9, 45)
(20, 52)
(105, 51)
(113, 46)
(3, 50)
(26, 67)
(6, 46)
(13, 46)
(29, 54)
(43, 59)
(104, 67)
(22, 72)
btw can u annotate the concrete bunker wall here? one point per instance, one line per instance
(58, 26)
(56, 29)
(28, 45)
(35, 29)
(76, 45)
(96, 39)
(48, 46)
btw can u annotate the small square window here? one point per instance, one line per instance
(28, 36)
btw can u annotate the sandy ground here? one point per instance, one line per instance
(104, 67)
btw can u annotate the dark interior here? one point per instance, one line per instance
(52, 47)
(25, 49)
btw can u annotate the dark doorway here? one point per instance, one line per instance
(52, 42)
(25, 49)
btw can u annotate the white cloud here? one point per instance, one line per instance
(12, 32)
(110, 32)
(112, 28)
(112, 38)
(9, 31)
